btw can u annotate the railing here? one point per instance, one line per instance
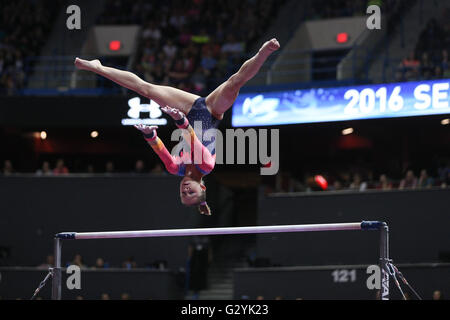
(56, 74)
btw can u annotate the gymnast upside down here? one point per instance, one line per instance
(185, 108)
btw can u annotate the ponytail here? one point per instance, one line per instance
(203, 208)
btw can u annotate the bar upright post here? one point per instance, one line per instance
(384, 261)
(56, 281)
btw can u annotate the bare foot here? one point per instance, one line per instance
(270, 46)
(87, 65)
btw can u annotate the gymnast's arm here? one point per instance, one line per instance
(158, 146)
(208, 161)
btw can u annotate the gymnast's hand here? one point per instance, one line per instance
(173, 112)
(146, 130)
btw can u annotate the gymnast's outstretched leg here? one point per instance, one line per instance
(162, 95)
(221, 99)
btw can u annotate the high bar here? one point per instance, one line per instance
(364, 225)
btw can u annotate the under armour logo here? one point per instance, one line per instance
(136, 108)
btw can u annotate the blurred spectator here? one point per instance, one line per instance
(437, 295)
(105, 296)
(357, 183)
(100, 263)
(208, 62)
(445, 63)
(232, 46)
(200, 256)
(443, 171)
(185, 36)
(446, 182)
(60, 168)
(139, 167)
(78, 261)
(177, 72)
(79, 298)
(337, 186)
(409, 182)
(170, 49)
(424, 180)
(345, 178)
(199, 78)
(129, 263)
(124, 296)
(284, 182)
(151, 32)
(213, 47)
(411, 62)
(200, 38)
(158, 169)
(177, 19)
(370, 180)
(7, 168)
(426, 65)
(437, 73)
(90, 169)
(109, 167)
(384, 183)
(260, 298)
(49, 262)
(45, 170)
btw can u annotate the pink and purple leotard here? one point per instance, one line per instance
(177, 164)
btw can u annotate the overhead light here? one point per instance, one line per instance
(347, 131)
(94, 134)
(445, 122)
(43, 135)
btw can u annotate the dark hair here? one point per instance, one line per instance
(202, 206)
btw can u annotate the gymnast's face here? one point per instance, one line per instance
(191, 191)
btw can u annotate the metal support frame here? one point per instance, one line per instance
(365, 225)
(384, 261)
(57, 276)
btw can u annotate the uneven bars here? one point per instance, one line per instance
(365, 225)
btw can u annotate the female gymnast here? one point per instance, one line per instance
(185, 108)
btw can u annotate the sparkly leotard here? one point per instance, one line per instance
(200, 113)
(176, 164)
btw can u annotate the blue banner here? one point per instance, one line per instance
(343, 103)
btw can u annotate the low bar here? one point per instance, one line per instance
(218, 231)
(364, 225)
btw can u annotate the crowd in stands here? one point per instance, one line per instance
(61, 169)
(24, 27)
(129, 263)
(355, 180)
(429, 60)
(437, 295)
(284, 182)
(192, 45)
